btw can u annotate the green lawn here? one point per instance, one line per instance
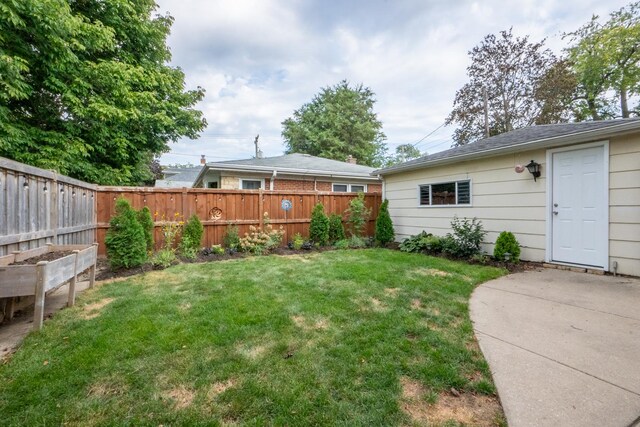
(368, 337)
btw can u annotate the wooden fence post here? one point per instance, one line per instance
(41, 280)
(92, 270)
(261, 208)
(185, 214)
(72, 283)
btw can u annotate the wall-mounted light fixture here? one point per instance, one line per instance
(534, 169)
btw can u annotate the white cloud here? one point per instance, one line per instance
(259, 60)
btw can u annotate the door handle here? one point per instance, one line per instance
(555, 212)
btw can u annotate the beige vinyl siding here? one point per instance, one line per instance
(501, 198)
(505, 200)
(624, 204)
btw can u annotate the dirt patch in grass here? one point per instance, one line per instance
(181, 396)
(465, 408)
(416, 304)
(185, 306)
(392, 292)
(377, 305)
(430, 272)
(303, 323)
(219, 388)
(91, 311)
(107, 388)
(252, 352)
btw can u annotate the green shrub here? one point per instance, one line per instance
(342, 244)
(422, 242)
(356, 242)
(319, 226)
(507, 243)
(164, 258)
(231, 238)
(384, 226)
(336, 229)
(125, 242)
(297, 242)
(357, 215)
(191, 240)
(466, 238)
(146, 221)
(217, 250)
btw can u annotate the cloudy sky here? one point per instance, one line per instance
(259, 60)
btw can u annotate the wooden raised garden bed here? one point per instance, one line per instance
(38, 278)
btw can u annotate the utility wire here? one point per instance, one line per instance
(428, 135)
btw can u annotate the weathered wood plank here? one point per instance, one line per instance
(17, 280)
(21, 256)
(59, 271)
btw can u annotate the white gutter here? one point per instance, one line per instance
(573, 138)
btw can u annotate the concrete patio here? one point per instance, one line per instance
(563, 347)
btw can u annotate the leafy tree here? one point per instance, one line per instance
(509, 70)
(384, 226)
(357, 215)
(606, 58)
(319, 226)
(338, 122)
(85, 88)
(404, 152)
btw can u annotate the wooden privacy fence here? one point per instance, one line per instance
(219, 208)
(39, 206)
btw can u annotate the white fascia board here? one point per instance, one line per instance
(574, 138)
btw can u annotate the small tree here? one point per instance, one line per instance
(507, 243)
(319, 227)
(191, 237)
(357, 215)
(336, 229)
(125, 241)
(146, 221)
(384, 226)
(231, 238)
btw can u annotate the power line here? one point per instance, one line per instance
(428, 135)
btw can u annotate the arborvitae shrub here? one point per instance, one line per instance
(336, 229)
(146, 221)
(125, 241)
(231, 238)
(384, 226)
(319, 227)
(507, 243)
(191, 237)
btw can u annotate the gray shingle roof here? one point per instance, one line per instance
(531, 136)
(186, 174)
(300, 162)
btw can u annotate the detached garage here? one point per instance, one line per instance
(569, 192)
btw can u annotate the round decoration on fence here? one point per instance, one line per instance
(215, 214)
(286, 204)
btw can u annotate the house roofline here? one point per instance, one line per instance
(282, 171)
(573, 138)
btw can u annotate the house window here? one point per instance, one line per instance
(445, 193)
(212, 184)
(251, 184)
(345, 188)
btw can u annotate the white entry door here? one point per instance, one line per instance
(579, 207)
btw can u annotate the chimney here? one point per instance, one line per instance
(203, 160)
(352, 160)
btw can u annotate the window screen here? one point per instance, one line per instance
(251, 185)
(446, 193)
(357, 188)
(342, 188)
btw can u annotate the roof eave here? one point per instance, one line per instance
(285, 170)
(573, 138)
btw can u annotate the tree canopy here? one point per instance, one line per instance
(86, 89)
(338, 122)
(506, 70)
(606, 60)
(404, 152)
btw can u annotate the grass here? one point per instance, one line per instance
(369, 337)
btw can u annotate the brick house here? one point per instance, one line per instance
(290, 172)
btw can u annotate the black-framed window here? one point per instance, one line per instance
(250, 184)
(450, 193)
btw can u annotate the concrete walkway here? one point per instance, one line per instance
(563, 347)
